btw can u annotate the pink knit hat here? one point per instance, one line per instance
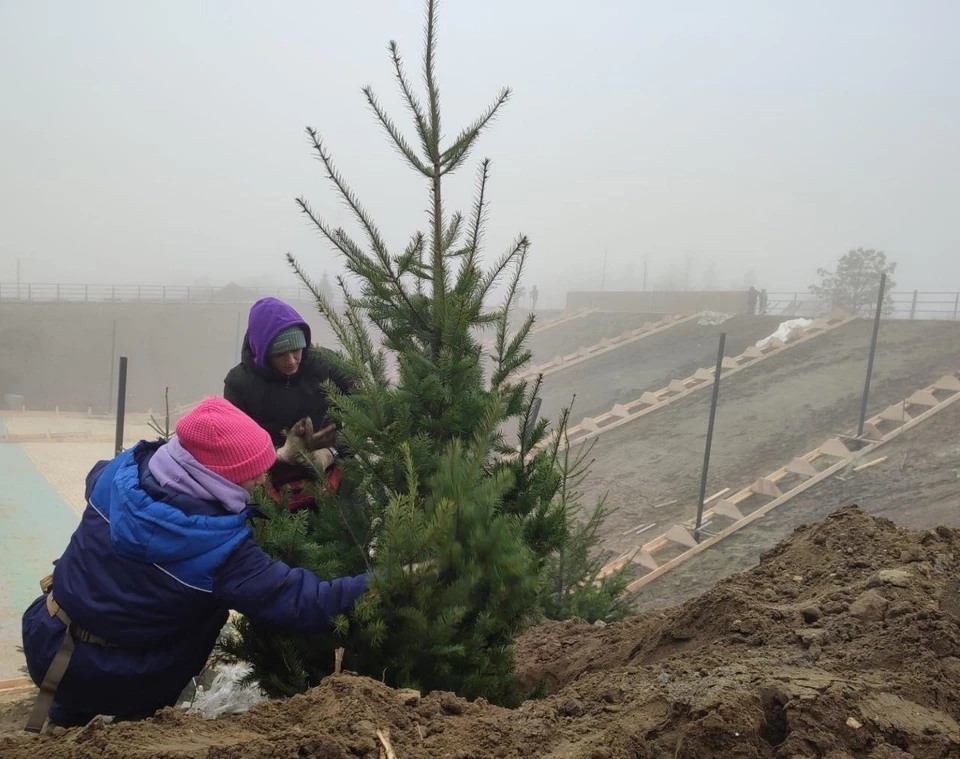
(226, 441)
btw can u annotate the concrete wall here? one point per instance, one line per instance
(59, 354)
(684, 302)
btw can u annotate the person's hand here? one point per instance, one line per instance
(323, 458)
(325, 438)
(295, 443)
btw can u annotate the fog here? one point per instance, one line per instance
(163, 142)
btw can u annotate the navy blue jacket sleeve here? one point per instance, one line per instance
(288, 598)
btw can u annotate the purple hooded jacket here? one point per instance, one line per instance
(268, 318)
(274, 400)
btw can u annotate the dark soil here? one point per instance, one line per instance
(843, 642)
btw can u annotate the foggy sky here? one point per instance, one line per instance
(163, 142)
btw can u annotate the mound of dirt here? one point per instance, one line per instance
(843, 642)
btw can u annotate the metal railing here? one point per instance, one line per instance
(902, 305)
(43, 292)
(905, 305)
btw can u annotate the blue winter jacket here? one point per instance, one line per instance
(154, 573)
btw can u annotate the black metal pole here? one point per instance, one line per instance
(236, 342)
(113, 358)
(706, 452)
(873, 350)
(535, 411)
(121, 404)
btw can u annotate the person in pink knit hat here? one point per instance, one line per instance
(163, 552)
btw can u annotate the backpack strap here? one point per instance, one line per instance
(61, 660)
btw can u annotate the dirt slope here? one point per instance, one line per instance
(916, 487)
(843, 642)
(624, 374)
(768, 414)
(582, 331)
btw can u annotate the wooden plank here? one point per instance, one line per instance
(716, 495)
(836, 448)
(16, 684)
(923, 398)
(801, 488)
(947, 382)
(727, 509)
(679, 534)
(870, 464)
(579, 314)
(895, 413)
(802, 467)
(627, 338)
(617, 563)
(654, 403)
(645, 559)
(589, 424)
(765, 486)
(671, 502)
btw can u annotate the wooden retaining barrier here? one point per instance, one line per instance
(797, 476)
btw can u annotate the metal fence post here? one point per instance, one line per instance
(113, 357)
(121, 404)
(956, 304)
(873, 350)
(706, 452)
(913, 306)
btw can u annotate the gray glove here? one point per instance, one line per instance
(295, 444)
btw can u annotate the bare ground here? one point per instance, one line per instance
(625, 373)
(768, 414)
(843, 643)
(582, 331)
(918, 487)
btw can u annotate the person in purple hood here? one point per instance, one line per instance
(279, 382)
(163, 551)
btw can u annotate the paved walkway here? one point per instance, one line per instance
(35, 526)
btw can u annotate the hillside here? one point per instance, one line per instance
(843, 642)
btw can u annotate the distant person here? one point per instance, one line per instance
(534, 294)
(279, 382)
(162, 553)
(752, 300)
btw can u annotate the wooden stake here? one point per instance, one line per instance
(870, 464)
(717, 495)
(384, 736)
(671, 502)
(337, 661)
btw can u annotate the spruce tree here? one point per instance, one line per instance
(459, 528)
